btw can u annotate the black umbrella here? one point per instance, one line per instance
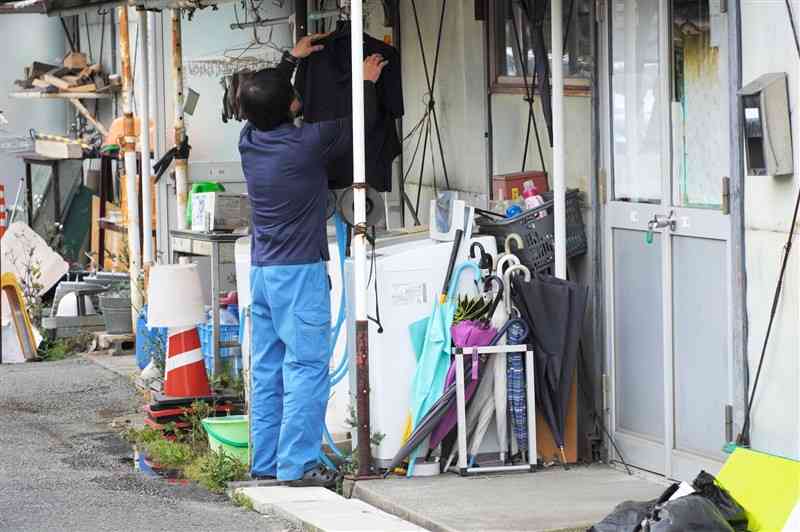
(554, 310)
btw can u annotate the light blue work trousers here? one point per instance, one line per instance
(290, 358)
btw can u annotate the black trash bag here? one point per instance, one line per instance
(734, 514)
(630, 515)
(692, 513)
(626, 517)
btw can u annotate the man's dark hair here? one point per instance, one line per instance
(265, 98)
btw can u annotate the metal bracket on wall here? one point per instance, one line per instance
(726, 195)
(601, 183)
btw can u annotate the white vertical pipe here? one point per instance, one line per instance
(152, 52)
(359, 171)
(153, 107)
(181, 165)
(559, 177)
(129, 150)
(143, 101)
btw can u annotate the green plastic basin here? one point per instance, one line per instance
(229, 434)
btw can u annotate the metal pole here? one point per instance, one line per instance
(154, 30)
(261, 23)
(181, 164)
(143, 89)
(129, 154)
(359, 241)
(559, 178)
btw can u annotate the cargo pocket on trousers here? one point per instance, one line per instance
(313, 331)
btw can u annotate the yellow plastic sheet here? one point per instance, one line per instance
(768, 487)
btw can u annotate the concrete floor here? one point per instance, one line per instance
(550, 500)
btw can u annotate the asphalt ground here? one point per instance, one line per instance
(63, 467)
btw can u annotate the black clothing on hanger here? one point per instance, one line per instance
(324, 82)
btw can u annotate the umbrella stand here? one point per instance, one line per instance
(461, 407)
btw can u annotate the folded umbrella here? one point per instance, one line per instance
(516, 385)
(429, 377)
(429, 422)
(555, 310)
(481, 408)
(465, 334)
(490, 398)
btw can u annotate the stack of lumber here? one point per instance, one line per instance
(74, 76)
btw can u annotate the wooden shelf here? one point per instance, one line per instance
(61, 95)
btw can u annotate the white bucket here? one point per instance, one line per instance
(175, 296)
(68, 306)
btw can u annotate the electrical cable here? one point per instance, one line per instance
(744, 435)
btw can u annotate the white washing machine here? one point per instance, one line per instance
(409, 279)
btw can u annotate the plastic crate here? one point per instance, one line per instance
(538, 251)
(231, 356)
(149, 342)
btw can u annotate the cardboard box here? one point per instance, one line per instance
(510, 185)
(219, 211)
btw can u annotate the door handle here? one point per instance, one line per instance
(660, 221)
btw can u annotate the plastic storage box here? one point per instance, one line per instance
(231, 356)
(538, 251)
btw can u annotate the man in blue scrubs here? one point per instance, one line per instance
(287, 184)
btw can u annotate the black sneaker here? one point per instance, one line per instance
(320, 476)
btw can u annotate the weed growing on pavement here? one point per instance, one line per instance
(350, 464)
(242, 500)
(170, 454)
(30, 277)
(196, 435)
(60, 348)
(224, 381)
(214, 470)
(190, 454)
(142, 436)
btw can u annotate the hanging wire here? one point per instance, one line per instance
(529, 96)
(429, 123)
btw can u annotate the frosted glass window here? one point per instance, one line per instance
(636, 104)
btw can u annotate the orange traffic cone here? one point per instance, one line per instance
(185, 374)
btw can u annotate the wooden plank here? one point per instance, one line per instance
(57, 82)
(58, 150)
(114, 241)
(88, 116)
(89, 87)
(90, 70)
(545, 444)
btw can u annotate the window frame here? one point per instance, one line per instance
(502, 84)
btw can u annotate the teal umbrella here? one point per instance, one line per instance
(434, 359)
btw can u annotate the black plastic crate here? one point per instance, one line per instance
(537, 234)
